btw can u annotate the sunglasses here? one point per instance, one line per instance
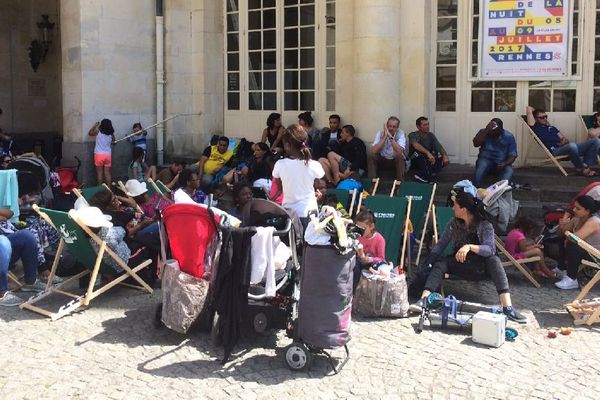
(6, 160)
(542, 117)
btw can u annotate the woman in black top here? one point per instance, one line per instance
(272, 133)
(260, 167)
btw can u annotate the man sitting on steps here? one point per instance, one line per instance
(559, 145)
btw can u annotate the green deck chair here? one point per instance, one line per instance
(162, 187)
(370, 185)
(390, 218)
(75, 237)
(88, 193)
(587, 122)
(422, 200)
(441, 218)
(346, 197)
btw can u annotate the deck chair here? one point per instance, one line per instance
(422, 200)
(585, 311)
(162, 187)
(370, 185)
(390, 215)
(75, 237)
(88, 193)
(521, 265)
(15, 281)
(346, 197)
(550, 158)
(587, 123)
(441, 218)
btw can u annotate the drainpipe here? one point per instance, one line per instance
(160, 82)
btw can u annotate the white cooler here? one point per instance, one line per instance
(489, 328)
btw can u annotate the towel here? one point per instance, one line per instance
(9, 192)
(268, 255)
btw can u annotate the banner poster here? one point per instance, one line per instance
(524, 39)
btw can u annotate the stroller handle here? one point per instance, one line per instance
(285, 230)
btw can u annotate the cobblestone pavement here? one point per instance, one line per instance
(112, 351)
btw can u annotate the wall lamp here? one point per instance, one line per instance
(39, 49)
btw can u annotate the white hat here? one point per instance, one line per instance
(135, 188)
(92, 217)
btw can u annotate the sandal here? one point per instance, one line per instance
(588, 172)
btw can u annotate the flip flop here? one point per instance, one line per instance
(590, 173)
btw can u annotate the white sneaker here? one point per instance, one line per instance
(10, 300)
(560, 273)
(567, 283)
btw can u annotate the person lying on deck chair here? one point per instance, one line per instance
(559, 145)
(472, 238)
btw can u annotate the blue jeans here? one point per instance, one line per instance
(485, 167)
(587, 150)
(23, 245)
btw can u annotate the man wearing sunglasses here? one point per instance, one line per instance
(582, 155)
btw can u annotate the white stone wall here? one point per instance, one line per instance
(31, 101)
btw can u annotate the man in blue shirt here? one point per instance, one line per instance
(559, 145)
(497, 152)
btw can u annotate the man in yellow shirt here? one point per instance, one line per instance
(213, 160)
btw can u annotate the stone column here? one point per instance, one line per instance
(376, 58)
(108, 71)
(194, 72)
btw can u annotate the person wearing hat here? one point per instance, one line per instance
(140, 228)
(114, 236)
(139, 192)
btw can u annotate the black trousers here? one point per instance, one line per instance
(475, 268)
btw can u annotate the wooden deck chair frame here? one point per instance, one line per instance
(91, 292)
(78, 191)
(580, 317)
(374, 185)
(550, 157)
(520, 264)
(157, 189)
(161, 187)
(13, 278)
(360, 199)
(427, 215)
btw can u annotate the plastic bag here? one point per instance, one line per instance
(380, 296)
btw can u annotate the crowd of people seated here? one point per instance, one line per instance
(293, 167)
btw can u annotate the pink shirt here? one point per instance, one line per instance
(374, 246)
(512, 243)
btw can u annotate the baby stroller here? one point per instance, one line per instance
(264, 310)
(38, 168)
(67, 177)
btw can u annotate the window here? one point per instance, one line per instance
(232, 48)
(446, 47)
(275, 65)
(487, 96)
(597, 60)
(552, 95)
(299, 58)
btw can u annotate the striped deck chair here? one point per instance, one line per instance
(76, 237)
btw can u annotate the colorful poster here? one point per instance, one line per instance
(525, 39)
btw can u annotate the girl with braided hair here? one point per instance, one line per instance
(296, 173)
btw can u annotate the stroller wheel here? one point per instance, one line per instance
(158, 317)
(260, 322)
(215, 332)
(297, 357)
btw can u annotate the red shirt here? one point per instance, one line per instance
(374, 246)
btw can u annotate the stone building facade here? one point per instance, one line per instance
(236, 61)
